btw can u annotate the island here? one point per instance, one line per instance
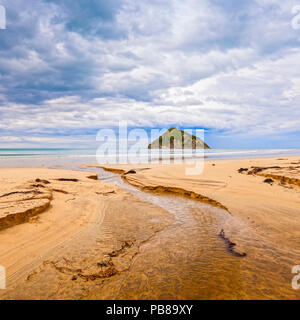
(177, 139)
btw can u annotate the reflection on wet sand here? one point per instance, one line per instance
(189, 260)
(100, 241)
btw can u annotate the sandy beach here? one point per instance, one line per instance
(66, 235)
(274, 207)
(71, 235)
(150, 150)
(262, 197)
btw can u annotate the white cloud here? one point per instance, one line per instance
(193, 63)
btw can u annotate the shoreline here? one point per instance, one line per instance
(71, 162)
(260, 233)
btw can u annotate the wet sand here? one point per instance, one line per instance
(264, 215)
(88, 233)
(143, 236)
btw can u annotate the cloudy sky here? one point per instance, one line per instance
(69, 68)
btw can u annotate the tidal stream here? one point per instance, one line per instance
(189, 260)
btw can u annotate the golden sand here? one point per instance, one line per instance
(82, 238)
(64, 235)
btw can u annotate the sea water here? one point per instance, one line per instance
(65, 157)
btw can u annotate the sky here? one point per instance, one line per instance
(69, 68)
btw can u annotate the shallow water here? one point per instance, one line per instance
(59, 157)
(188, 260)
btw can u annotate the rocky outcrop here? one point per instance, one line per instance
(284, 175)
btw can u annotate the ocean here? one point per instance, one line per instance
(63, 157)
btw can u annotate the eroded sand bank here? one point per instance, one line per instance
(62, 233)
(273, 208)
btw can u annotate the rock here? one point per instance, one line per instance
(130, 172)
(61, 191)
(270, 181)
(42, 181)
(93, 177)
(256, 170)
(230, 245)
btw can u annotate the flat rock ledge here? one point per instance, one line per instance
(18, 206)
